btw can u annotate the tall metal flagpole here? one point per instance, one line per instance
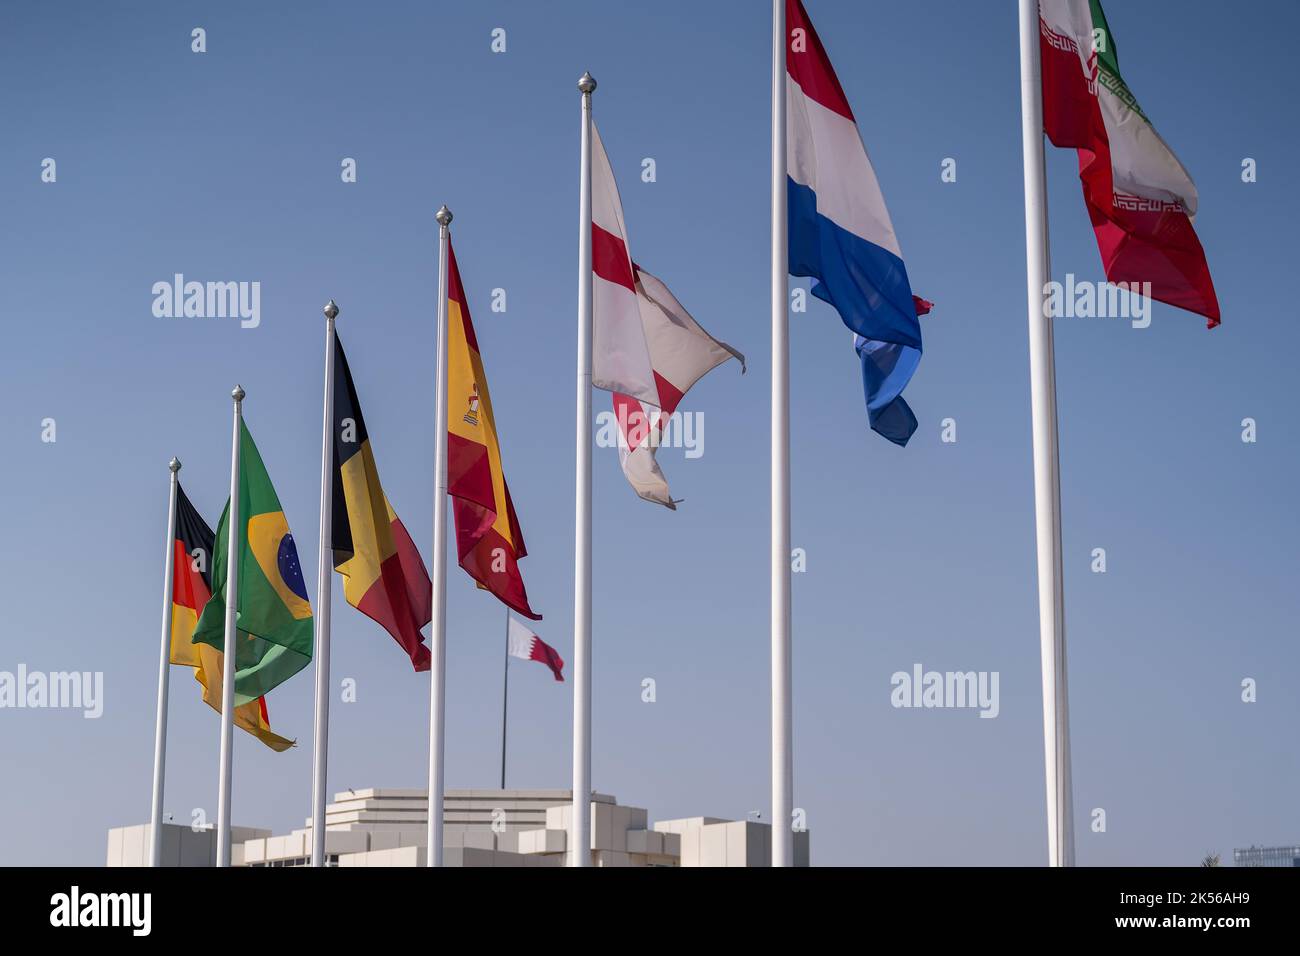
(228, 644)
(324, 575)
(438, 632)
(505, 698)
(164, 676)
(782, 709)
(1047, 475)
(580, 825)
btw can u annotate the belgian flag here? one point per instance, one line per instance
(489, 542)
(383, 575)
(191, 589)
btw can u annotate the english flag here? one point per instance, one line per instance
(527, 646)
(1140, 198)
(646, 348)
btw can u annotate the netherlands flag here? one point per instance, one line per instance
(840, 233)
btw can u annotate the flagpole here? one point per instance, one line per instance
(580, 825)
(324, 568)
(164, 675)
(782, 707)
(438, 631)
(229, 651)
(505, 698)
(1047, 475)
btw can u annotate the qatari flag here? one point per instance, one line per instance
(527, 646)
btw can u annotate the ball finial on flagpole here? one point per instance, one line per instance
(586, 83)
(331, 310)
(443, 215)
(237, 393)
(174, 465)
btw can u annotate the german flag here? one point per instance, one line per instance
(488, 540)
(191, 589)
(383, 575)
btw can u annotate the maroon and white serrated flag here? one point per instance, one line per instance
(527, 646)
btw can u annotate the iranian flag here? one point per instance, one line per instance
(1141, 200)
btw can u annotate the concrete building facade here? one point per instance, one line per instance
(388, 827)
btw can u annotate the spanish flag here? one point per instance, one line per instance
(272, 613)
(191, 588)
(488, 540)
(383, 575)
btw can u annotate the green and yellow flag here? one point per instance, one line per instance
(273, 615)
(191, 590)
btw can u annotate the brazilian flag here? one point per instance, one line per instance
(273, 616)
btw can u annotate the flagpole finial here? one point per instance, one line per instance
(174, 465)
(586, 83)
(331, 310)
(443, 215)
(237, 393)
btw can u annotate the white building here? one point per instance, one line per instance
(480, 828)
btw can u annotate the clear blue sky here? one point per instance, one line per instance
(225, 166)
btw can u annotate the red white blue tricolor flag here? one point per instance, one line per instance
(1140, 197)
(840, 233)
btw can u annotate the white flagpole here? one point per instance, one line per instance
(782, 699)
(1047, 476)
(324, 574)
(505, 698)
(580, 826)
(164, 677)
(228, 644)
(438, 631)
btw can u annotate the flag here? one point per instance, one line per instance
(646, 348)
(840, 233)
(527, 646)
(191, 588)
(620, 357)
(383, 575)
(273, 615)
(1140, 198)
(489, 542)
(191, 580)
(640, 427)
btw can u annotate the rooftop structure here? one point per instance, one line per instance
(388, 827)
